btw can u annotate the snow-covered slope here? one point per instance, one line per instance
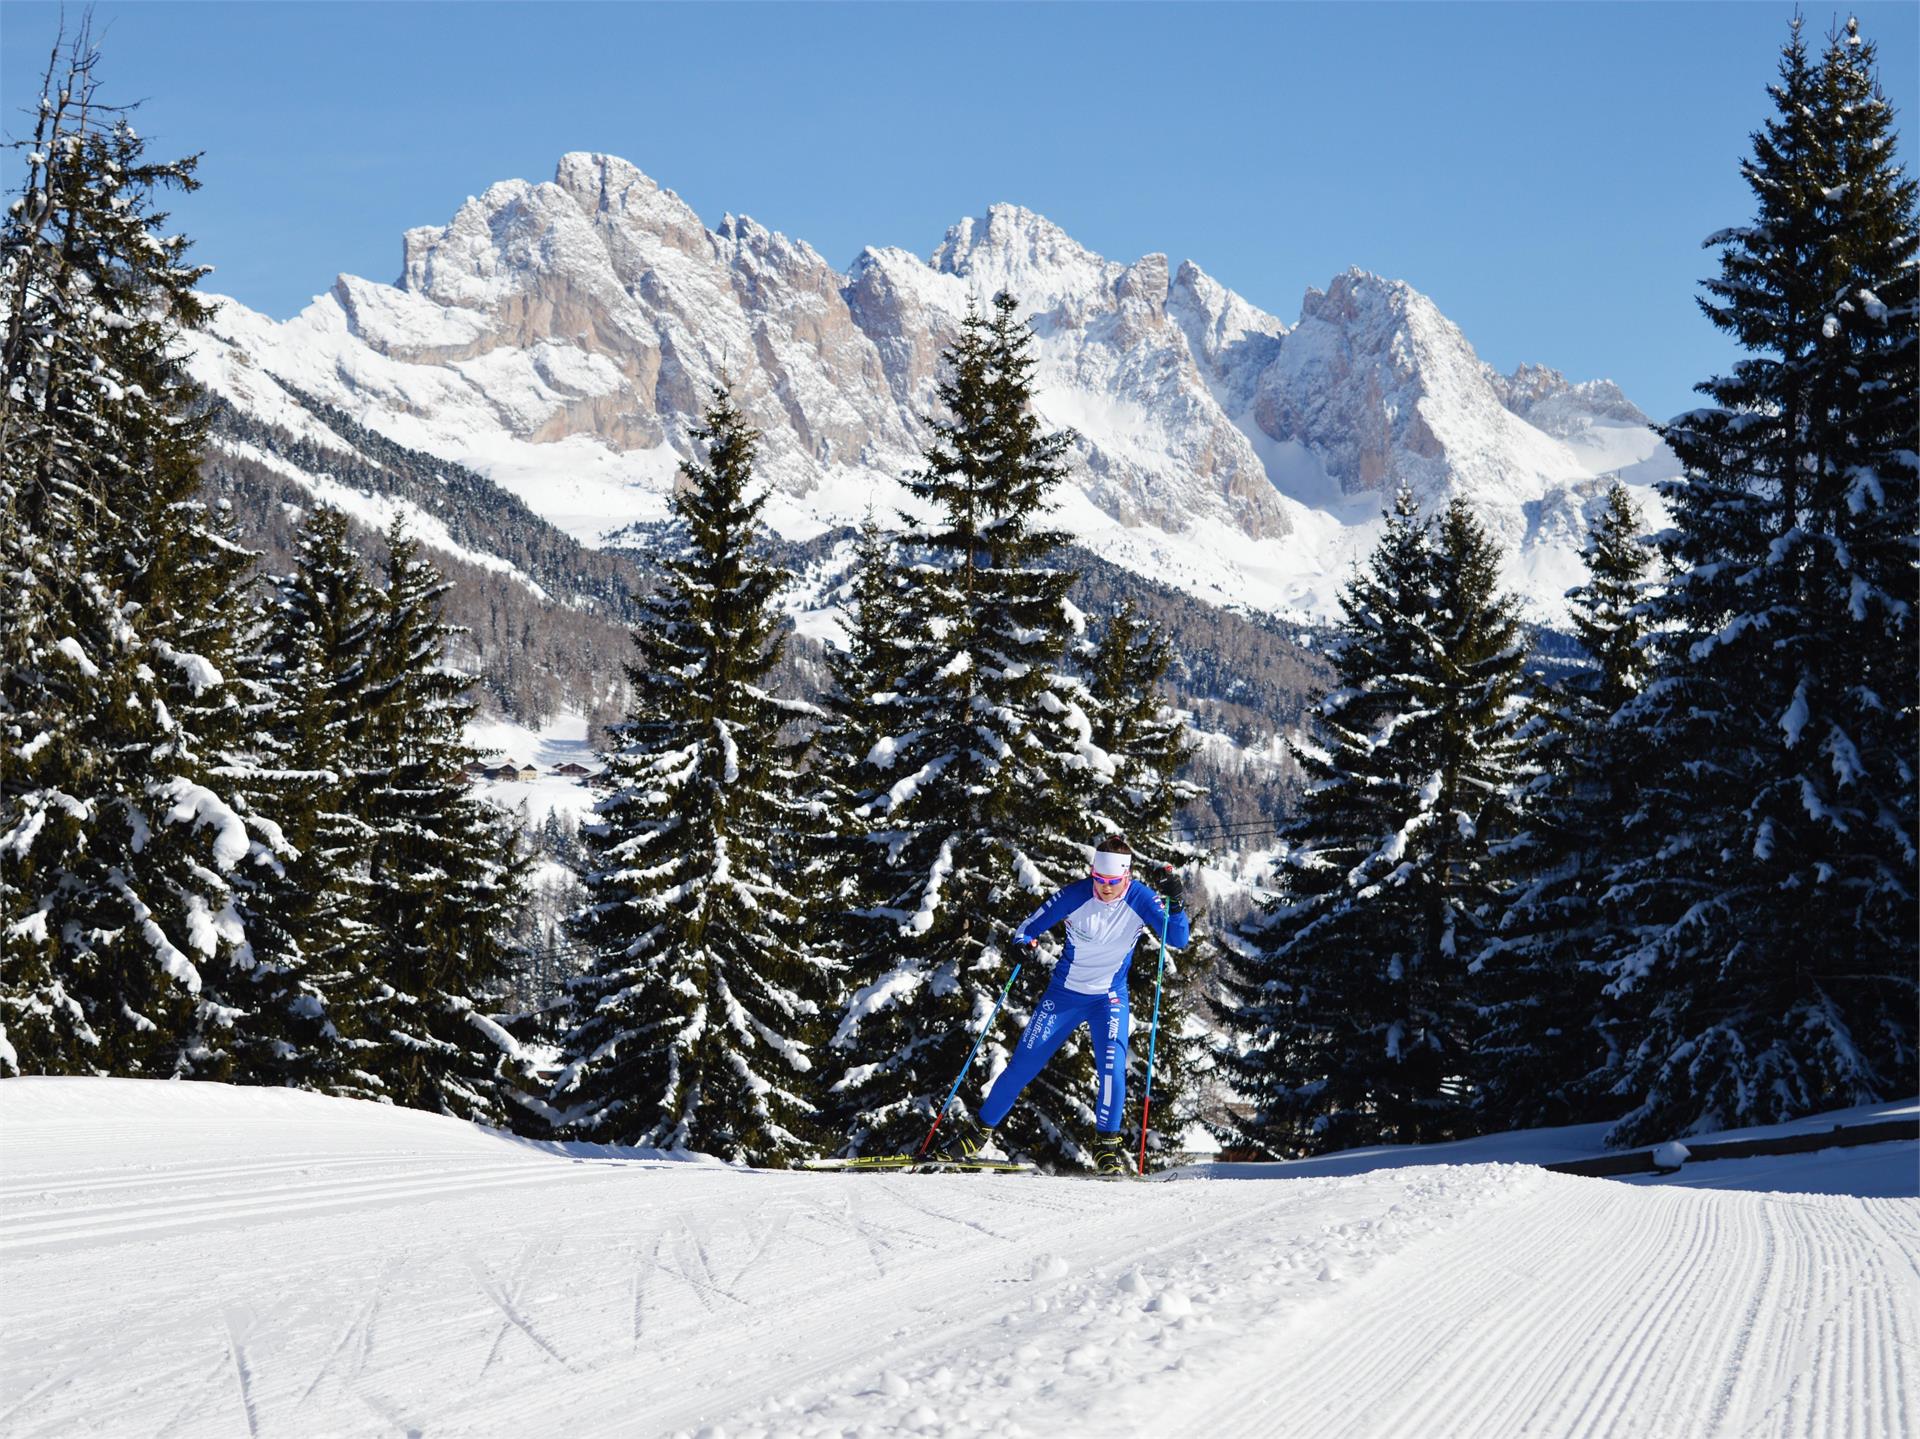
(561, 337)
(564, 740)
(195, 1259)
(1882, 1171)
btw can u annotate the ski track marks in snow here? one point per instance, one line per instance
(1096, 1333)
(396, 1274)
(1587, 1312)
(59, 1229)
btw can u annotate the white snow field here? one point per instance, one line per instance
(199, 1260)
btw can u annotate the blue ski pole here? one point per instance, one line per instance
(1153, 1036)
(969, 1064)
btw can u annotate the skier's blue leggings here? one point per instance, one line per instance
(1061, 1012)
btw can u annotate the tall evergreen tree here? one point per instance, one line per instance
(311, 922)
(1145, 741)
(857, 711)
(698, 1023)
(865, 672)
(1147, 745)
(1767, 903)
(983, 774)
(118, 837)
(445, 880)
(844, 874)
(44, 1025)
(1549, 1043)
(259, 1020)
(1352, 1011)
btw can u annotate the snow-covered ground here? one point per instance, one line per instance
(1879, 1171)
(193, 1259)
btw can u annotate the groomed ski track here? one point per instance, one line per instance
(194, 1260)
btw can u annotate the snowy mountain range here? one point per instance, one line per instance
(560, 338)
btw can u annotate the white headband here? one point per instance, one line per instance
(1105, 863)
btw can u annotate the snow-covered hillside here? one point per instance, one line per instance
(562, 742)
(561, 337)
(191, 1259)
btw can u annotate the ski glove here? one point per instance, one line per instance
(1173, 891)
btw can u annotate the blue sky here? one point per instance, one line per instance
(1544, 171)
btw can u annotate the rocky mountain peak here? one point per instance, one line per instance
(1143, 285)
(562, 336)
(1013, 249)
(1547, 400)
(1360, 294)
(1231, 340)
(610, 187)
(1223, 316)
(1385, 389)
(1006, 230)
(749, 242)
(1529, 384)
(578, 227)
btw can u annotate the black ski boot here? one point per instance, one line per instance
(1110, 1157)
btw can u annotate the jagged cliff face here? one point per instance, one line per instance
(563, 336)
(1384, 388)
(598, 305)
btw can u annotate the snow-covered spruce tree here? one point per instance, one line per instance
(841, 875)
(1352, 1009)
(1148, 746)
(1146, 742)
(37, 1014)
(982, 778)
(856, 716)
(118, 840)
(698, 1023)
(259, 1020)
(445, 880)
(311, 922)
(1294, 965)
(1766, 904)
(1549, 1045)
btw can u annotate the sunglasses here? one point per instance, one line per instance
(1099, 878)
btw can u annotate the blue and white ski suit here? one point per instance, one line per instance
(1089, 986)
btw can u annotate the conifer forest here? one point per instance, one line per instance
(1666, 881)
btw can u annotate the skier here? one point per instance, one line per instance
(1105, 914)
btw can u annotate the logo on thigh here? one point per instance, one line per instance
(1113, 1016)
(1042, 1024)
